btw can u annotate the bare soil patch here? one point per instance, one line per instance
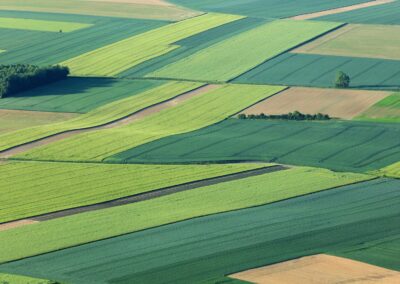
(15, 224)
(341, 10)
(335, 102)
(141, 2)
(319, 269)
(119, 122)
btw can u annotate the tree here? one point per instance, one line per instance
(342, 80)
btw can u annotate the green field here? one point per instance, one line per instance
(39, 188)
(99, 8)
(17, 120)
(193, 114)
(391, 170)
(320, 71)
(232, 57)
(227, 196)
(122, 55)
(78, 95)
(19, 279)
(381, 14)
(338, 145)
(102, 115)
(205, 248)
(45, 48)
(387, 110)
(40, 25)
(266, 8)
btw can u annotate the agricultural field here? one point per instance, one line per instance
(305, 70)
(345, 104)
(195, 113)
(199, 141)
(247, 49)
(329, 220)
(337, 145)
(358, 41)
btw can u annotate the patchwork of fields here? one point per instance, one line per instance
(140, 167)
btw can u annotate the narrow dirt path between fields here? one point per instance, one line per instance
(116, 123)
(341, 10)
(142, 196)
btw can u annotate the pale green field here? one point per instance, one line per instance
(234, 56)
(195, 113)
(41, 25)
(122, 55)
(102, 115)
(391, 171)
(386, 110)
(372, 41)
(91, 226)
(19, 279)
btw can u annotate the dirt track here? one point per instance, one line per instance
(319, 269)
(341, 10)
(119, 122)
(142, 196)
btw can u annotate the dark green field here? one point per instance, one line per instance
(305, 70)
(338, 145)
(210, 247)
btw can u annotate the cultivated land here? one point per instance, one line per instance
(382, 14)
(79, 95)
(101, 8)
(38, 25)
(319, 269)
(266, 8)
(102, 115)
(227, 196)
(358, 41)
(120, 56)
(198, 112)
(19, 279)
(12, 120)
(39, 188)
(313, 70)
(214, 246)
(234, 56)
(44, 48)
(386, 110)
(391, 170)
(338, 145)
(339, 103)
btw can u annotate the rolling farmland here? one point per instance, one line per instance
(343, 146)
(329, 220)
(251, 45)
(199, 141)
(206, 109)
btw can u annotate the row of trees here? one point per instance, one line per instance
(22, 77)
(290, 116)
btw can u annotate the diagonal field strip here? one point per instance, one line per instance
(341, 10)
(143, 196)
(122, 55)
(114, 123)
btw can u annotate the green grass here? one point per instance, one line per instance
(390, 171)
(195, 113)
(100, 8)
(40, 25)
(120, 56)
(19, 279)
(305, 70)
(386, 110)
(78, 95)
(206, 248)
(39, 188)
(232, 57)
(338, 145)
(101, 115)
(47, 48)
(227, 196)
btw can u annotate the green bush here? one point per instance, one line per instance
(296, 115)
(342, 80)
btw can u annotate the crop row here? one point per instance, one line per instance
(101, 115)
(202, 201)
(195, 113)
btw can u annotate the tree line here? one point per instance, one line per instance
(296, 115)
(22, 77)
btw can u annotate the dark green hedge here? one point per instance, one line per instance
(21, 77)
(290, 116)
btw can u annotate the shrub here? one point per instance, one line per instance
(342, 80)
(296, 115)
